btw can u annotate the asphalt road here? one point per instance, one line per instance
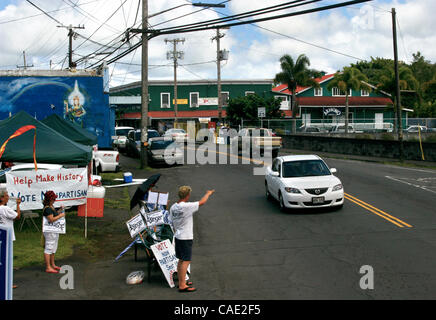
(246, 248)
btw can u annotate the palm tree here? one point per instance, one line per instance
(387, 83)
(349, 79)
(295, 74)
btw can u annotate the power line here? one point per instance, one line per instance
(44, 12)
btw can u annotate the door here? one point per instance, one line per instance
(379, 121)
(306, 119)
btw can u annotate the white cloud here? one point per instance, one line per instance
(360, 31)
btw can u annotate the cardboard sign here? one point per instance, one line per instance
(136, 225)
(70, 186)
(6, 266)
(58, 226)
(166, 257)
(156, 218)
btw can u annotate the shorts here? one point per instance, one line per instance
(183, 249)
(51, 242)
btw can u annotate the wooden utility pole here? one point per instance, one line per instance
(218, 64)
(175, 55)
(71, 34)
(144, 85)
(25, 65)
(397, 87)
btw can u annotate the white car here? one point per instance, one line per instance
(303, 181)
(120, 138)
(178, 135)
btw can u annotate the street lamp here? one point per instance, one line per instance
(144, 70)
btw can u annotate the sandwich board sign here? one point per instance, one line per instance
(6, 271)
(166, 257)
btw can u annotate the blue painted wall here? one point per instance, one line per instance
(80, 99)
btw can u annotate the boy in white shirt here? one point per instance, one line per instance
(182, 218)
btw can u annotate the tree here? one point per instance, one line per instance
(349, 79)
(246, 108)
(295, 74)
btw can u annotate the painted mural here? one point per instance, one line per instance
(78, 99)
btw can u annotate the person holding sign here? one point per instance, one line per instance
(182, 217)
(7, 215)
(51, 238)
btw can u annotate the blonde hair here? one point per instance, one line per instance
(184, 191)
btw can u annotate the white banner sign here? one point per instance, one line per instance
(166, 257)
(208, 101)
(70, 186)
(58, 226)
(135, 225)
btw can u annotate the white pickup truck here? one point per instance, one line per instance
(261, 139)
(105, 160)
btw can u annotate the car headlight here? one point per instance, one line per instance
(337, 187)
(292, 190)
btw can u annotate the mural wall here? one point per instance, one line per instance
(78, 99)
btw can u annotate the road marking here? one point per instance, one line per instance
(411, 184)
(377, 211)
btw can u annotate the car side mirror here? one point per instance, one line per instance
(333, 170)
(275, 174)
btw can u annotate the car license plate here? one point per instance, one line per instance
(318, 200)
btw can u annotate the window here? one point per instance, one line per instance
(338, 93)
(193, 98)
(364, 93)
(225, 98)
(318, 92)
(165, 100)
(249, 93)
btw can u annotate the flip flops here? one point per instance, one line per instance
(187, 289)
(51, 271)
(57, 268)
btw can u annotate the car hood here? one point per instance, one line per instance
(311, 182)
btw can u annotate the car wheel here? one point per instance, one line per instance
(267, 193)
(281, 203)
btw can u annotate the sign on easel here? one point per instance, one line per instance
(6, 267)
(58, 226)
(166, 257)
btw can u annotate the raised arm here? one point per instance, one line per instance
(206, 197)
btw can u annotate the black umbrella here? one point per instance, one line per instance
(143, 190)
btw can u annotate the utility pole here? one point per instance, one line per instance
(397, 86)
(144, 85)
(24, 66)
(219, 57)
(175, 55)
(71, 35)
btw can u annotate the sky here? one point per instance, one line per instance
(330, 39)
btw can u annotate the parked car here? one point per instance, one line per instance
(415, 129)
(120, 138)
(258, 138)
(303, 181)
(133, 144)
(105, 160)
(340, 128)
(179, 135)
(309, 129)
(164, 150)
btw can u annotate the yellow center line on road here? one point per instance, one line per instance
(347, 196)
(377, 211)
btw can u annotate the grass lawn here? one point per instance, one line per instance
(28, 250)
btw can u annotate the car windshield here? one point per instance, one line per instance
(153, 134)
(305, 168)
(122, 132)
(162, 144)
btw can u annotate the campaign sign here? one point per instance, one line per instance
(156, 218)
(70, 186)
(58, 226)
(136, 225)
(166, 257)
(6, 263)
